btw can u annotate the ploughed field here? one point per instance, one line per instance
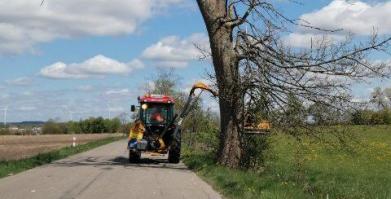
(19, 147)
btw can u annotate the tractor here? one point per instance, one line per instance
(158, 127)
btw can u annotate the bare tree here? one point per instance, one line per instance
(164, 83)
(379, 98)
(251, 61)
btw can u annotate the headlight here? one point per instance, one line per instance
(144, 106)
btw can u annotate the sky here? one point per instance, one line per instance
(76, 59)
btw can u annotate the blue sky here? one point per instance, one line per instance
(78, 58)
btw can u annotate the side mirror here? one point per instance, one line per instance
(133, 108)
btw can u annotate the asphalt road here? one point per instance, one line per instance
(104, 173)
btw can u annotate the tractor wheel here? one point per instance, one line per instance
(174, 154)
(134, 156)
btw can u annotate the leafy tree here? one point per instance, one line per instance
(52, 127)
(74, 127)
(112, 126)
(249, 56)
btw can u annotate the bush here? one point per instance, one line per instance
(254, 147)
(51, 127)
(362, 117)
(208, 140)
(112, 126)
(377, 118)
(386, 115)
(4, 132)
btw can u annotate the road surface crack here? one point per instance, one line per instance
(70, 193)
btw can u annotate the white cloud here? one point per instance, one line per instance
(85, 88)
(356, 17)
(117, 109)
(26, 108)
(4, 96)
(122, 92)
(176, 52)
(96, 66)
(27, 93)
(25, 23)
(21, 81)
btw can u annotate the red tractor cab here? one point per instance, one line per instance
(156, 110)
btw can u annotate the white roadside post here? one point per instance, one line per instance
(74, 141)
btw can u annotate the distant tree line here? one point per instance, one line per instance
(374, 111)
(90, 125)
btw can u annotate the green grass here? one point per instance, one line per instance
(364, 172)
(15, 166)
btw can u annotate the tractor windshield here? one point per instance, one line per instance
(156, 114)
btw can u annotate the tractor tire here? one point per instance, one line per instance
(174, 154)
(134, 156)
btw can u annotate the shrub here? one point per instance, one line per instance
(362, 117)
(386, 115)
(51, 127)
(254, 147)
(377, 118)
(4, 132)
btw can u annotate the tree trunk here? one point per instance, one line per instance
(225, 63)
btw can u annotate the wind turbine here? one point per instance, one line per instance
(67, 108)
(5, 109)
(71, 114)
(109, 109)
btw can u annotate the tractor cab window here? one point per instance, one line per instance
(156, 114)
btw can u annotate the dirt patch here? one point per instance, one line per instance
(18, 147)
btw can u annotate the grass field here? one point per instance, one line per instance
(19, 147)
(309, 169)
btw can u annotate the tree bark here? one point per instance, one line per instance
(225, 62)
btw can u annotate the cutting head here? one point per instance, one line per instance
(202, 86)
